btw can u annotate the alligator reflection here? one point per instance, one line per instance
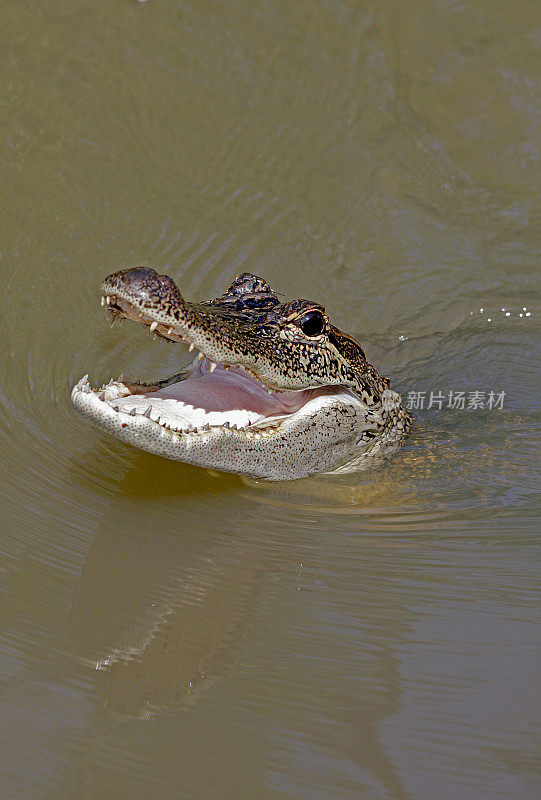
(170, 586)
(163, 601)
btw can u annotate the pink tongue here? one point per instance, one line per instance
(223, 391)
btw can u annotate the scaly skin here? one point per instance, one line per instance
(350, 422)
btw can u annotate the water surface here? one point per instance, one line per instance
(167, 632)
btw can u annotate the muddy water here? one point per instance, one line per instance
(170, 633)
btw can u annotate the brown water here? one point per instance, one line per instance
(170, 633)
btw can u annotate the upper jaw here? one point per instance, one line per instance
(140, 294)
(154, 300)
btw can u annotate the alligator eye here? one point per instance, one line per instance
(313, 323)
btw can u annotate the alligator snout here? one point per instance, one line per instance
(142, 285)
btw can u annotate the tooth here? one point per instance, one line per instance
(101, 396)
(132, 412)
(206, 427)
(170, 331)
(153, 326)
(147, 412)
(121, 377)
(234, 426)
(201, 356)
(226, 424)
(213, 366)
(102, 300)
(191, 347)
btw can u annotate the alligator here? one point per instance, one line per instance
(276, 391)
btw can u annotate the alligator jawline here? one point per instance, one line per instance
(322, 406)
(207, 395)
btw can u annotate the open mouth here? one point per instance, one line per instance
(207, 396)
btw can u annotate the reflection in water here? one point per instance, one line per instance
(162, 620)
(169, 609)
(163, 607)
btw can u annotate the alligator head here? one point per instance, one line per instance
(276, 390)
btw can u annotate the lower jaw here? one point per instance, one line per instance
(102, 408)
(130, 401)
(244, 452)
(281, 454)
(313, 439)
